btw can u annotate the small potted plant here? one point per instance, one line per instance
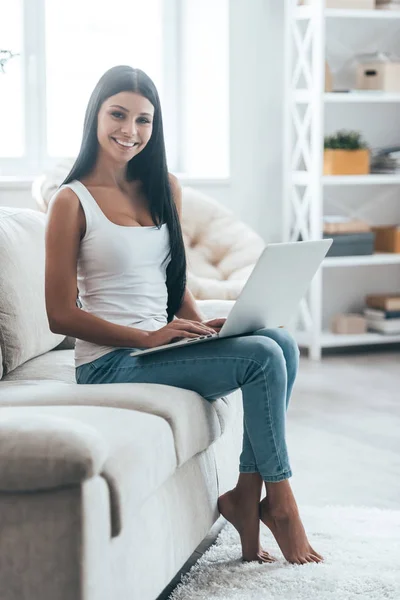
(346, 153)
(5, 56)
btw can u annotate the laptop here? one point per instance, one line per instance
(271, 294)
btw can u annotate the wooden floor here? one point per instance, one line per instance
(343, 435)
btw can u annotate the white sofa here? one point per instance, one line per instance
(105, 490)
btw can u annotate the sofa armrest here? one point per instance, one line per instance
(41, 452)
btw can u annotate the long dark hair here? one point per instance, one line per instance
(149, 166)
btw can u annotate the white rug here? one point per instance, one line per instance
(361, 547)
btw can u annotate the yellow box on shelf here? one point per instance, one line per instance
(387, 238)
(346, 162)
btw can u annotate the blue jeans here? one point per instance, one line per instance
(263, 364)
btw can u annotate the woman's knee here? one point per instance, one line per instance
(289, 345)
(286, 341)
(264, 349)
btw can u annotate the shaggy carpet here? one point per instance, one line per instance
(361, 548)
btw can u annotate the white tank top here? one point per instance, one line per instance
(121, 274)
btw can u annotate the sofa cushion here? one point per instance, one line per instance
(24, 328)
(195, 422)
(57, 365)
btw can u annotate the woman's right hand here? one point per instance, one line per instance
(177, 330)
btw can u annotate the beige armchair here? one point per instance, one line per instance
(221, 250)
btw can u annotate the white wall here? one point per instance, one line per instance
(256, 89)
(16, 195)
(256, 63)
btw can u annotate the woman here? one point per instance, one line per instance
(113, 227)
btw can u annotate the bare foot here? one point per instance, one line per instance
(289, 533)
(243, 513)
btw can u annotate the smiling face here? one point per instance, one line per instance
(124, 125)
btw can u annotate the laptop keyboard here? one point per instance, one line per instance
(201, 337)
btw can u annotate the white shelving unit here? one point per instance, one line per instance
(302, 178)
(308, 116)
(342, 13)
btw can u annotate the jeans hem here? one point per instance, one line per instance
(248, 469)
(276, 478)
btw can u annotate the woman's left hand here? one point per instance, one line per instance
(215, 323)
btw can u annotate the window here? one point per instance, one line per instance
(65, 47)
(205, 90)
(12, 118)
(80, 48)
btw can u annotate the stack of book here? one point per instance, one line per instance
(383, 313)
(385, 160)
(351, 237)
(341, 224)
(388, 4)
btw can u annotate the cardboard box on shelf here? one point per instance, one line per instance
(376, 75)
(350, 323)
(387, 238)
(328, 78)
(388, 302)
